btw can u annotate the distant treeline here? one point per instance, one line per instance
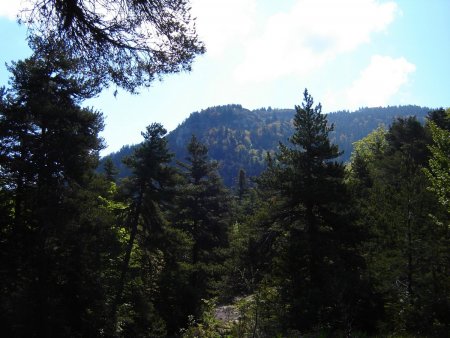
(239, 138)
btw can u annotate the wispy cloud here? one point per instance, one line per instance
(312, 33)
(376, 84)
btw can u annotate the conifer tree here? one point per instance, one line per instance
(203, 209)
(55, 241)
(125, 42)
(312, 232)
(110, 170)
(147, 191)
(242, 184)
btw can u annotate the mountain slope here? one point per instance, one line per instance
(240, 138)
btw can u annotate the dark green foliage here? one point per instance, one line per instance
(406, 252)
(306, 249)
(238, 138)
(242, 184)
(314, 239)
(55, 230)
(147, 191)
(110, 171)
(440, 117)
(202, 212)
(438, 172)
(117, 160)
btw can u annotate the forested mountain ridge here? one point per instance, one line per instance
(240, 138)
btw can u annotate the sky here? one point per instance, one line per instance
(264, 53)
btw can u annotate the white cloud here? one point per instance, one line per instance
(376, 85)
(10, 8)
(312, 33)
(221, 23)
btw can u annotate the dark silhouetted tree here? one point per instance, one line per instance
(56, 235)
(126, 42)
(148, 188)
(314, 239)
(203, 213)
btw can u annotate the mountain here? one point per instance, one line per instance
(240, 138)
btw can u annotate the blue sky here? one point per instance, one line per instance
(348, 53)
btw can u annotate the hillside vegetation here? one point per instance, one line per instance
(240, 138)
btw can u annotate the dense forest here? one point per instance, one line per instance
(304, 245)
(238, 138)
(311, 247)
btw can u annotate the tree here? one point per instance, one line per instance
(110, 170)
(315, 262)
(55, 234)
(147, 190)
(439, 163)
(202, 212)
(242, 184)
(405, 251)
(126, 42)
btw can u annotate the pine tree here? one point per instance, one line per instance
(439, 163)
(53, 239)
(312, 232)
(110, 170)
(203, 209)
(242, 184)
(147, 191)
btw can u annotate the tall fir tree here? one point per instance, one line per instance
(147, 191)
(55, 242)
(203, 213)
(314, 239)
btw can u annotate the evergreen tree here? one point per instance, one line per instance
(57, 243)
(110, 170)
(202, 212)
(242, 184)
(136, 42)
(315, 263)
(147, 191)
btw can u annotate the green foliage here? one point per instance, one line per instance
(56, 231)
(405, 251)
(238, 138)
(207, 327)
(110, 171)
(202, 211)
(259, 313)
(150, 245)
(315, 262)
(439, 163)
(305, 250)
